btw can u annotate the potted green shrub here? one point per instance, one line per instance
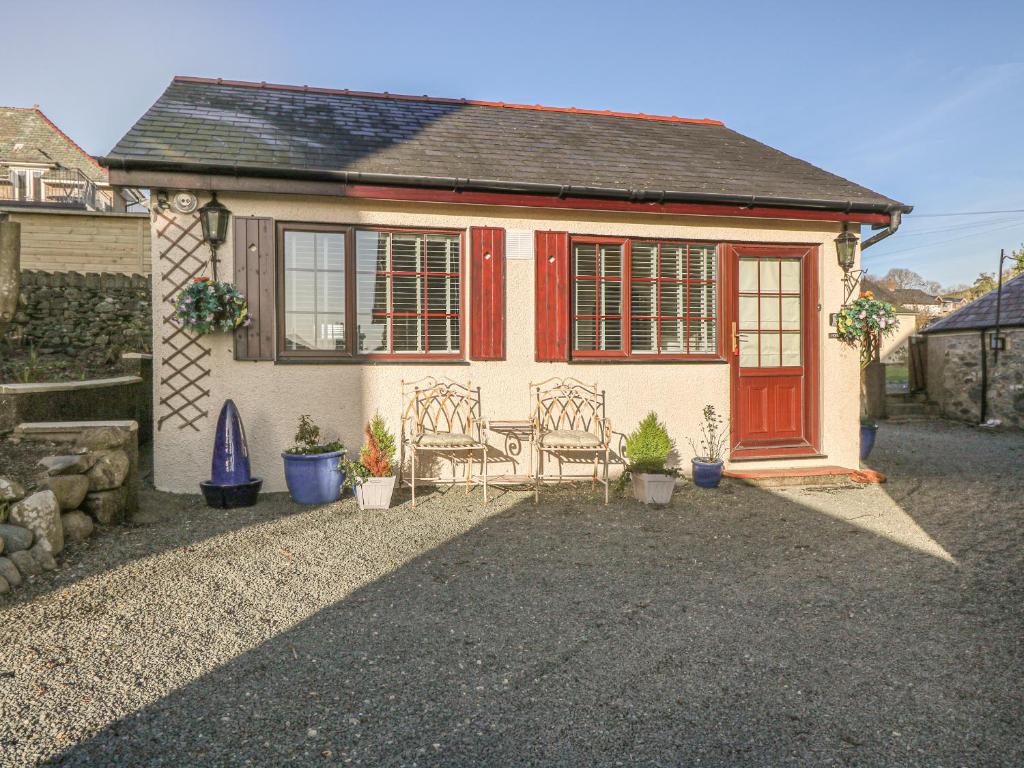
(372, 478)
(708, 460)
(312, 468)
(647, 450)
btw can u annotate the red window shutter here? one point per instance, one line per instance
(255, 275)
(487, 293)
(552, 299)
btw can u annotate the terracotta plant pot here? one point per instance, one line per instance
(652, 488)
(375, 492)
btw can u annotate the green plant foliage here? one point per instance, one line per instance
(648, 447)
(307, 439)
(376, 457)
(206, 306)
(864, 322)
(384, 438)
(713, 437)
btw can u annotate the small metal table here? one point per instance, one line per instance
(514, 434)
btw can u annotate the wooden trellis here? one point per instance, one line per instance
(185, 360)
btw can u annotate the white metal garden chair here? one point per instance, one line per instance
(442, 418)
(570, 424)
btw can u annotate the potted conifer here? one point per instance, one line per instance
(372, 478)
(647, 450)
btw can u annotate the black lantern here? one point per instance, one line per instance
(214, 218)
(846, 250)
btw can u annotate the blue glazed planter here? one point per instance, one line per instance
(313, 478)
(706, 474)
(868, 433)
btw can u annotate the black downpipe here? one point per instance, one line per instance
(895, 216)
(984, 379)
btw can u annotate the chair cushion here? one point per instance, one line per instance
(570, 438)
(445, 440)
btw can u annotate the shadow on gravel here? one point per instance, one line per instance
(169, 521)
(738, 627)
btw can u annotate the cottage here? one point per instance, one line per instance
(382, 238)
(71, 219)
(975, 358)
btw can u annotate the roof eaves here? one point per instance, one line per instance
(496, 185)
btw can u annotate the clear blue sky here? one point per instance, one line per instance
(922, 101)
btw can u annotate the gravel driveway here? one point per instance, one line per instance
(864, 626)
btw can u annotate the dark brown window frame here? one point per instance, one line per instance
(626, 354)
(351, 353)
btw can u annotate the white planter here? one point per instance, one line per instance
(375, 492)
(653, 489)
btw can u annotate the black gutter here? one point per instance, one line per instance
(490, 185)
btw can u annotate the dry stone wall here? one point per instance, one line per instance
(97, 315)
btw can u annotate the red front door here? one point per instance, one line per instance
(773, 316)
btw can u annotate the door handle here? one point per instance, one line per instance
(736, 338)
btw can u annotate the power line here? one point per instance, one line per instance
(964, 213)
(959, 227)
(952, 239)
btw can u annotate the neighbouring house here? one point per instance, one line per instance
(382, 238)
(895, 346)
(71, 218)
(967, 377)
(951, 303)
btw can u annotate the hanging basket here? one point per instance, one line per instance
(210, 306)
(864, 322)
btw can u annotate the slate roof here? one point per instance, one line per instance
(29, 136)
(293, 131)
(901, 298)
(981, 313)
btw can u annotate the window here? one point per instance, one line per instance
(348, 292)
(644, 299)
(769, 312)
(314, 291)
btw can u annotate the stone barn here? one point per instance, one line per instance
(967, 376)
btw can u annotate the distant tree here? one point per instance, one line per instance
(908, 279)
(1017, 262)
(984, 283)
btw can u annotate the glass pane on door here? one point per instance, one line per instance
(769, 309)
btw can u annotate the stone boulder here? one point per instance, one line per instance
(109, 471)
(10, 490)
(77, 525)
(16, 538)
(72, 464)
(102, 439)
(10, 571)
(27, 564)
(107, 507)
(40, 513)
(70, 490)
(41, 552)
(5, 586)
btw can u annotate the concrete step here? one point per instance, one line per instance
(907, 397)
(901, 409)
(783, 478)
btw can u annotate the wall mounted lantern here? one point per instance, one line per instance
(214, 217)
(846, 255)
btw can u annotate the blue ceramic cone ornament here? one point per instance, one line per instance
(231, 483)
(230, 452)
